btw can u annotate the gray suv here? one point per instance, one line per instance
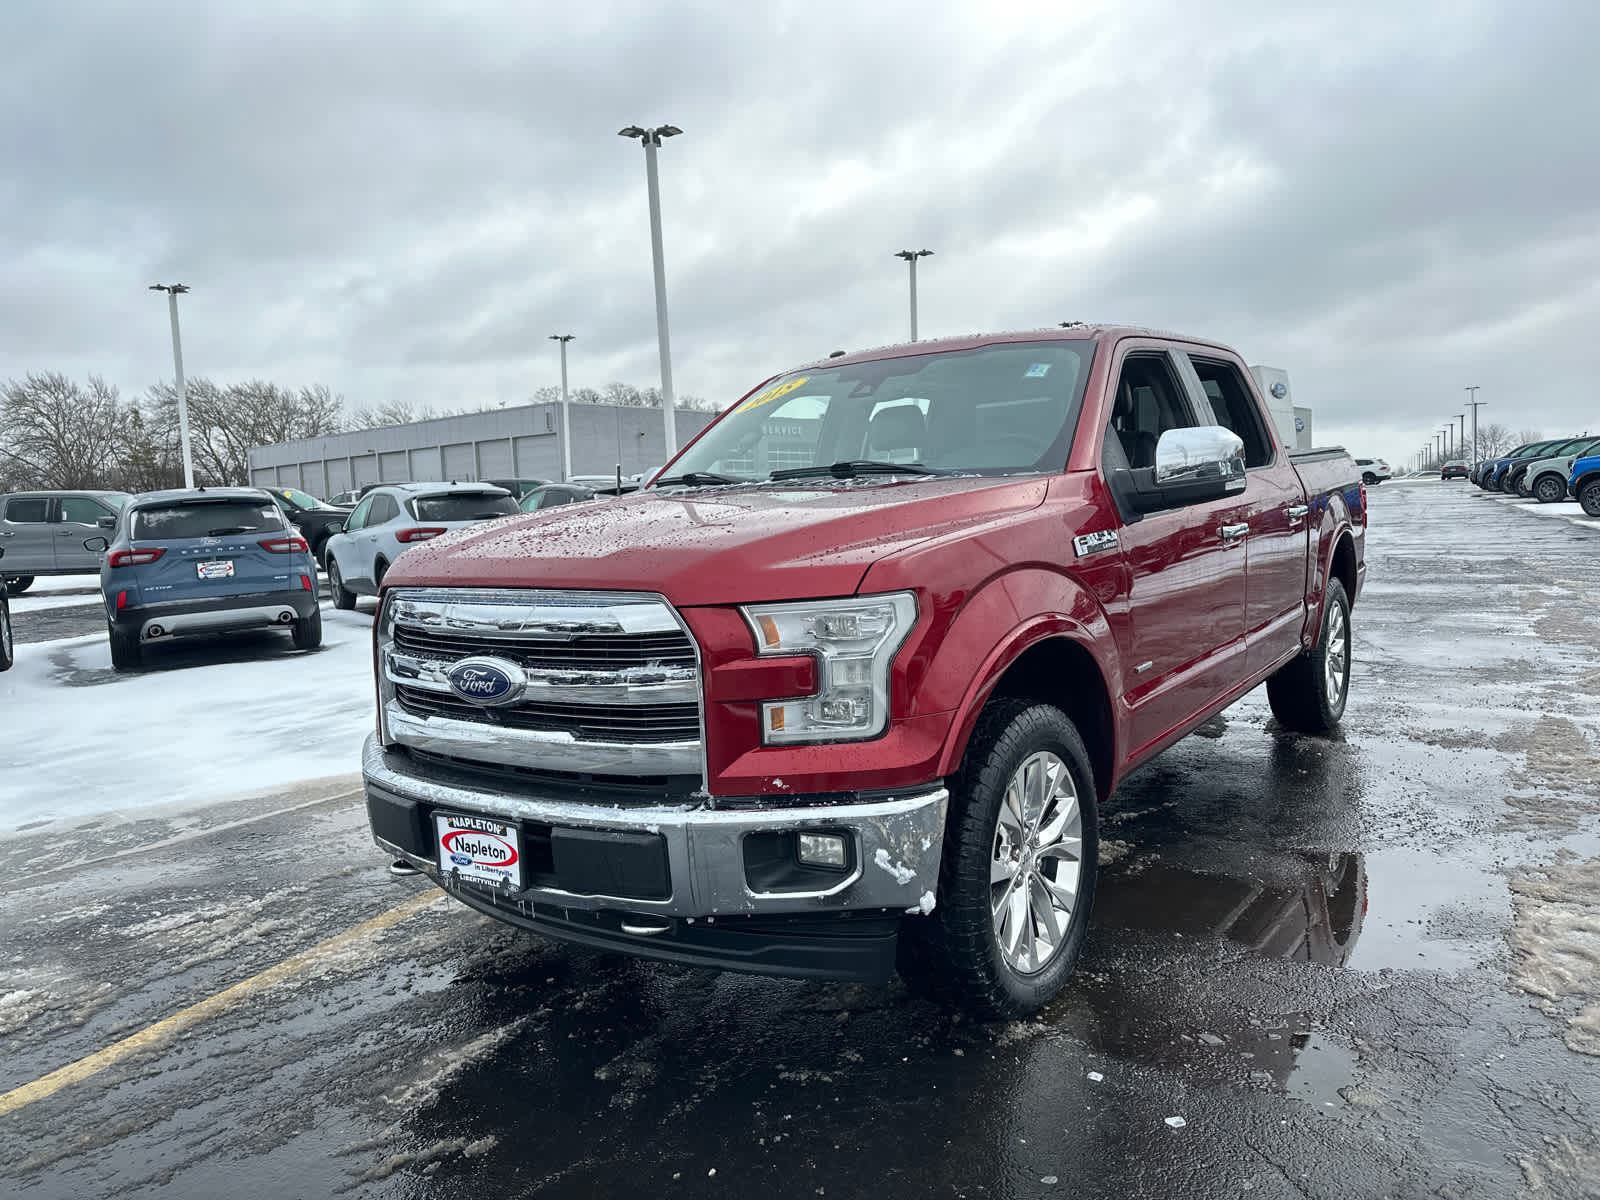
(43, 533)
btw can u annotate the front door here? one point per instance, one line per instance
(27, 535)
(1182, 633)
(78, 517)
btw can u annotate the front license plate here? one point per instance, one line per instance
(479, 849)
(217, 568)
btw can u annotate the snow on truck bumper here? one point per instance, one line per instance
(638, 878)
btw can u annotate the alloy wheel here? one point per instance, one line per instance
(1036, 863)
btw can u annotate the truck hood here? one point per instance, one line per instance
(716, 546)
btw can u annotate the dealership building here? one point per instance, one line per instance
(515, 443)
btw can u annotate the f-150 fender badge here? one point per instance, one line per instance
(1089, 543)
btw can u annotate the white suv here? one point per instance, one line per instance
(392, 518)
(1373, 470)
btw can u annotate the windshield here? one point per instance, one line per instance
(212, 518)
(461, 506)
(994, 410)
(300, 499)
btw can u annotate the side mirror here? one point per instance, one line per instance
(107, 522)
(1193, 466)
(96, 544)
(336, 527)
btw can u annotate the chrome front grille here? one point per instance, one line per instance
(610, 680)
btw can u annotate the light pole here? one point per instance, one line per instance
(1461, 438)
(1474, 404)
(651, 138)
(911, 257)
(173, 291)
(566, 421)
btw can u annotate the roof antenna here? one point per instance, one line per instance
(837, 354)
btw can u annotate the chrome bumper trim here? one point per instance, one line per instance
(898, 843)
(179, 624)
(627, 686)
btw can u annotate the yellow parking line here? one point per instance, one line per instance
(72, 1073)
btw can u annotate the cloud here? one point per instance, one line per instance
(1390, 201)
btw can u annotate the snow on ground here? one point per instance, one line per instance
(28, 602)
(62, 583)
(206, 719)
(1566, 510)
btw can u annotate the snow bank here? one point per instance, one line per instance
(78, 740)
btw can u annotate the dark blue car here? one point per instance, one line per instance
(201, 561)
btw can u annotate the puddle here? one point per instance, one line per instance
(1321, 1069)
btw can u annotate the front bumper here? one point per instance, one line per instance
(663, 862)
(218, 614)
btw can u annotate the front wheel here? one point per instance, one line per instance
(1549, 489)
(1307, 694)
(1017, 878)
(18, 584)
(1589, 497)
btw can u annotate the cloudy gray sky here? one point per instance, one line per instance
(1390, 200)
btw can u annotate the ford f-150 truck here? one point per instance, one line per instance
(845, 687)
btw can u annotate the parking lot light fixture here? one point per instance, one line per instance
(566, 422)
(651, 140)
(173, 291)
(911, 257)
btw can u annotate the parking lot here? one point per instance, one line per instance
(1360, 968)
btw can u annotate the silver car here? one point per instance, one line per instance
(1546, 478)
(394, 517)
(43, 533)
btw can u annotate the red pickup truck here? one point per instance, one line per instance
(845, 687)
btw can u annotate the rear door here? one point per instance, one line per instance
(78, 517)
(375, 531)
(214, 548)
(1273, 509)
(27, 535)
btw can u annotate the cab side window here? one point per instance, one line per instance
(82, 510)
(27, 512)
(384, 509)
(1235, 409)
(1148, 403)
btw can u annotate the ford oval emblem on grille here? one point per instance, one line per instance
(487, 681)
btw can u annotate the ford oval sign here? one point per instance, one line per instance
(487, 681)
(1280, 389)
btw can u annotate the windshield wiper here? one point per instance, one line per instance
(697, 478)
(227, 529)
(850, 468)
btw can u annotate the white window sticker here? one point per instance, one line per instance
(1037, 371)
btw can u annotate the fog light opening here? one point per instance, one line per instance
(827, 850)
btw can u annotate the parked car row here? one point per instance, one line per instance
(1548, 471)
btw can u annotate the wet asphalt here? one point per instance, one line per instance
(1364, 967)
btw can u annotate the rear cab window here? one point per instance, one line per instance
(1235, 409)
(461, 506)
(210, 518)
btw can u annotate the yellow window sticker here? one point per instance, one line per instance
(777, 391)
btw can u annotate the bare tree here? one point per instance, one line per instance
(395, 411)
(1494, 440)
(57, 434)
(225, 423)
(1525, 437)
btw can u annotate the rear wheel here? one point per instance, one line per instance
(1017, 878)
(1548, 489)
(17, 584)
(1307, 694)
(308, 631)
(126, 653)
(1368, 478)
(343, 597)
(1589, 497)
(379, 570)
(7, 649)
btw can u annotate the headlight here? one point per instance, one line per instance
(854, 642)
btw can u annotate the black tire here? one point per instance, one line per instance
(1299, 691)
(17, 584)
(1368, 478)
(126, 653)
(307, 631)
(343, 597)
(1589, 497)
(1547, 489)
(7, 646)
(379, 570)
(956, 954)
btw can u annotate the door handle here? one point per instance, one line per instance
(1297, 512)
(1232, 534)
